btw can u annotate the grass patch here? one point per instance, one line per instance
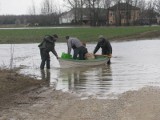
(89, 34)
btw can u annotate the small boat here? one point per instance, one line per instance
(69, 63)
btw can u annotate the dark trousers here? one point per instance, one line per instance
(109, 61)
(45, 59)
(76, 52)
(81, 51)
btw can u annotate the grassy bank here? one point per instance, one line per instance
(89, 34)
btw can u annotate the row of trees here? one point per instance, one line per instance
(50, 12)
(49, 15)
(30, 20)
(47, 7)
(148, 9)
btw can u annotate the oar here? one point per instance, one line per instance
(104, 55)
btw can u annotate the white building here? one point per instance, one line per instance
(66, 17)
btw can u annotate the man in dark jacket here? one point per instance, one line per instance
(105, 46)
(46, 46)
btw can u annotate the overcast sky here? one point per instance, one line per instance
(19, 7)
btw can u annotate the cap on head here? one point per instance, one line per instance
(84, 44)
(55, 36)
(100, 36)
(67, 37)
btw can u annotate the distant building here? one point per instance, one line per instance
(66, 17)
(75, 15)
(119, 14)
(123, 14)
(158, 20)
(85, 16)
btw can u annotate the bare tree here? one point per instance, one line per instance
(106, 5)
(151, 11)
(81, 9)
(128, 10)
(32, 9)
(48, 7)
(157, 4)
(135, 4)
(118, 13)
(142, 5)
(92, 4)
(77, 7)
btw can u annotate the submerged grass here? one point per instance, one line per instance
(88, 34)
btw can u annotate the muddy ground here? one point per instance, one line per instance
(142, 36)
(23, 98)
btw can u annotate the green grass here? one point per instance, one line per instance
(89, 34)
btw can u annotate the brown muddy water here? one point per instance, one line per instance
(135, 64)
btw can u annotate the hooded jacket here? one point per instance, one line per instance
(104, 45)
(48, 44)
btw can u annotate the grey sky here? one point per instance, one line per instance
(19, 7)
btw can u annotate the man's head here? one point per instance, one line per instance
(84, 44)
(100, 37)
(67, 37)
(55, 36)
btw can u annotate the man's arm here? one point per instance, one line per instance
(109, 47)
(69, 46)
(96, 48)
(42, 44)
(55, 53)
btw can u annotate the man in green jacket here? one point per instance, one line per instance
(46, 46)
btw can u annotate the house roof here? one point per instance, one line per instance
(87, 10)
(101, 12)
(123, 6)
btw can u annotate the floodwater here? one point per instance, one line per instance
(22, 28)
(135, 64)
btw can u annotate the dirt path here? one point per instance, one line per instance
(48, 104)
(23, 99)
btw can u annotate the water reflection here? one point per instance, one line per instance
(91, 79)
(46, 75)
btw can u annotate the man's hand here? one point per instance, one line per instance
(57, 57)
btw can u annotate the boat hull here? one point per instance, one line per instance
(68, 63)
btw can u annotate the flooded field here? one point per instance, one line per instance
(135, 64)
